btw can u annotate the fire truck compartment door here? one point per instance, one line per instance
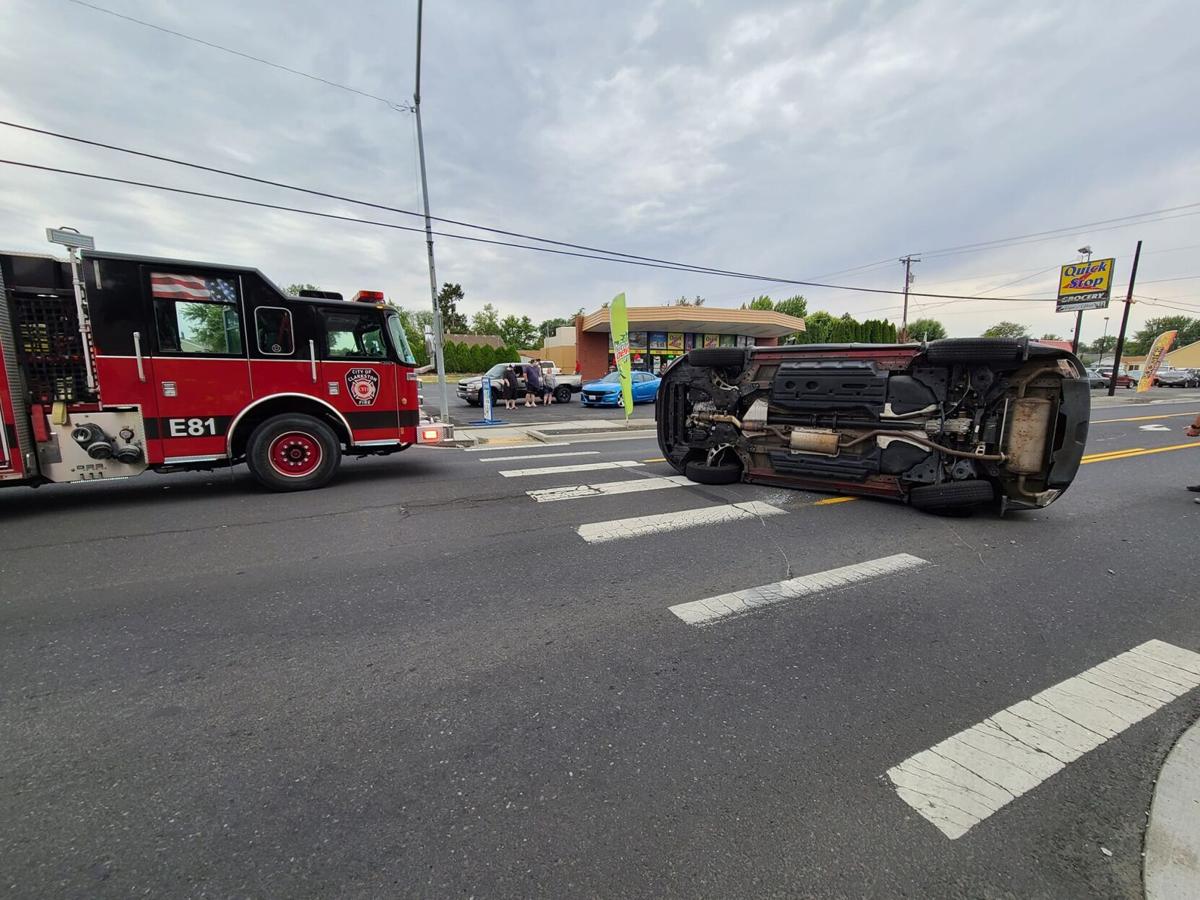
(196, 364)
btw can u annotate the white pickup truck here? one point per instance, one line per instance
(565, 385)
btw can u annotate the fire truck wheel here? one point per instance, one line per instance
(293, 452)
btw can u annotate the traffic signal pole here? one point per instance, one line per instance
(1112, 381)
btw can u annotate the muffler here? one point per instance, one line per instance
(823, 441)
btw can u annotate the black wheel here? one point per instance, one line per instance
(475, 402)
(722, 473)
(718, 358)
(952, 496)
(293, 452)
(980, 350)
(562, 393)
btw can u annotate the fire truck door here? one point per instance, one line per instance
(200, 371)
(360, 374)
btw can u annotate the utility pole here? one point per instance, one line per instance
(1112, 381)
(908, 279)
(1079, 315)
(438, 336)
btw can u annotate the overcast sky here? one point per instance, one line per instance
(789, 139)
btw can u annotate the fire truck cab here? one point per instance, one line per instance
(112, 364)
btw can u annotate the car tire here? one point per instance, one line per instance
(952, 495)
(718, 358)
(723, 473)
(952, 350)
(293, 452)
(562, 394)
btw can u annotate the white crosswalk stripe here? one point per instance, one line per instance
(539, 456)
(971, 775)
(579, 467)
(738, 603)
(606, 489)
(640, 526)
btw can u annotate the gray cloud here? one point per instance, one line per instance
(792, 139)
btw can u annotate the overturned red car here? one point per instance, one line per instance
(947, 426)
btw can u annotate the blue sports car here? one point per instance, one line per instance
(607, 391)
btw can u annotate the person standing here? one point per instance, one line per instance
(549, 383)
(533, 383)
(510, 387)
(1193, 430)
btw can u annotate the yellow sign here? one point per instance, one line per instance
(1154, 359)
(619, 323)
(1085, 285)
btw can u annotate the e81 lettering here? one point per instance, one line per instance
(192, 427)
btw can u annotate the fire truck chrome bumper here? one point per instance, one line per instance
(181, 460)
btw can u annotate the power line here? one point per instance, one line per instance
(330, 196)
(624, 260)
(504, 232)
(1038, 237)
(396, 105)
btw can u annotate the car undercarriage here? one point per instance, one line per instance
(946, 426)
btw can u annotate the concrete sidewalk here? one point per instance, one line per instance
(1172, 865)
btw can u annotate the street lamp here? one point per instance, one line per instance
(1103, 341)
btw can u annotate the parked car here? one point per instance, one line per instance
(469, 388)
(1123, 380)
(607, 391)
(946, 426)
(1183, 378)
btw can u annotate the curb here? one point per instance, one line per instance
(1172, 864)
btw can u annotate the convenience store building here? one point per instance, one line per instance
(660, 334)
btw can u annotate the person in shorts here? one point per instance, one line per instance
(549, 383)
(533, 383)
(510, 387)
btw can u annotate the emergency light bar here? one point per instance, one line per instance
(368, 297)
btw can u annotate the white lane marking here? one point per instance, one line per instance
(961, 781)
(538, 456)
(578, 467)
(604, 489)
(524, 445)
(737, 603)
(1154, 428)
(639, 526)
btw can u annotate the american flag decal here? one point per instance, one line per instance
(169, 286)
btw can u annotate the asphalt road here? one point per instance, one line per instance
(420, 682)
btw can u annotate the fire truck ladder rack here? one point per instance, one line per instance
(50, 345)
(16, 384)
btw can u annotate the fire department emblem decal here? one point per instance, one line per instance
(363, 385)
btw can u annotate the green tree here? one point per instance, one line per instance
(210, 326)
(518, 333)
(1103, 344)
(415, 335)
(1007, 329)
(479, 358)
(1051, 337)
(793, 306)
(763, 302)
(684, 301)
(818, 328)
(448, 298)
(486, 321)
(1188, 328)
(297, 288)
(926, 330)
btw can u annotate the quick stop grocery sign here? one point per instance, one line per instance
(1085, 285)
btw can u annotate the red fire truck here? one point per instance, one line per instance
(112, 364)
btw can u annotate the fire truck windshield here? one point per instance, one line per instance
(399, 339)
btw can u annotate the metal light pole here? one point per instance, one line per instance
(1079, 315)
(1112, 381)
(908, 279)
(1102, 342)
(438, 337)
